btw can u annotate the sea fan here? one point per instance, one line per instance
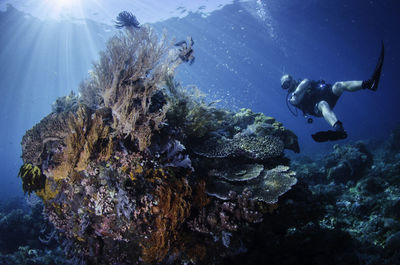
(126, 19)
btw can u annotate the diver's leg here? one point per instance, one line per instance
(339, 87)
(371, 83)
(338, 134)
(327, 112)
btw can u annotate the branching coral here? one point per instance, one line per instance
(189, 111)
(89, 138)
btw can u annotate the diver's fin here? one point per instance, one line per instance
(376, 76)
(325, 136)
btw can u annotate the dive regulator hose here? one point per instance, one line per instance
(295, 113)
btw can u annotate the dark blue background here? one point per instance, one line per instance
(334, 41)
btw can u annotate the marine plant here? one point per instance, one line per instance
(189, 108)
(170, 213)
(129, 73)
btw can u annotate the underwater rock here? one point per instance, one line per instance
(392, 224)
(394, 140)
(392, 208)
(372, 185)
(22, 225)
(340, 173)
(393, 242)
(227, 215)
(364, 211)
(347, 162)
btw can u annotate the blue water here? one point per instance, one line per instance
(241, 52)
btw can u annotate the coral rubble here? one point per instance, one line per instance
(22, 233)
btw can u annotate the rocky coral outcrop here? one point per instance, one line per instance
(23, 230)
(264, 185)
(347, 162)
(136, 168)
(355, 218)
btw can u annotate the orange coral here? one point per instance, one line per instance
(89, 136)
(172, 209)
(88, 133)
(198, 252)
(49, 191)
(200, 198)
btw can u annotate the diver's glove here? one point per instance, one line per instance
(338, 134)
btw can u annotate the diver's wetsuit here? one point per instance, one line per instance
(318, 91)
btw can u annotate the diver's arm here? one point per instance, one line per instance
(298, 94)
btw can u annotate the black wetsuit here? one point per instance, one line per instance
(318, 91)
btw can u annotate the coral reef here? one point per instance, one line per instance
(265, 185)
(43, 137)
(65, 103)
(351, 219)
(348, 160)
(178, 202)
(136, 167)
(21, 227)
(129, 74)
(255, 148)
(172, 209)
(394, 139)
(139, 170)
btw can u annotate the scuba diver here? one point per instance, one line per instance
(318, 98)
